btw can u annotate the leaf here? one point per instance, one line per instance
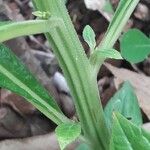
(140, 82)
(67, 133)
(49, 142)
(99, 55)
(89, 37)
(5, 22)
(83, 146)
(108, 53)
(128, 136)
(65, 1)
(135, 46)
(15, 77)
(108, 7)
(126, 103)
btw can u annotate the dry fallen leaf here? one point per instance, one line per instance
(12, 124)
(67, 105)
(98, 5)
(18, 103)
(146, 126)
(142, 12)
(44, 142)
(140, 82)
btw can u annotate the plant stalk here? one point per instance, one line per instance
(73, 61)
(121, 17)
(15, 29)
(78, 73)
(84, 93)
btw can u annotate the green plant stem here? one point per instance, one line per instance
(16, 29)
(78, 71)
(118, 22)
(121, 16)
(76, 67)
(85, 94)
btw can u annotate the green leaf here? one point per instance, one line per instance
(67, 133)
(99, 55)
(107, 53)
(5, 22)
(108, 7)
(128, 136)
(135, 46)
(89, 37)
(15, 77)
(65, 1)
(83, 147)
(124, 101)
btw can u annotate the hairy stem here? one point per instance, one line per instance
(121, 16)
(15, 29)
(78, 72)
(73, 61)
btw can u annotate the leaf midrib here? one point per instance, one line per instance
(21, 85)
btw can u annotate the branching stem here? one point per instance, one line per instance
(76, 67)
(16, 29)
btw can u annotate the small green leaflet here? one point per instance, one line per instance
(89, 37)
(108, 7)
(15, 76)
(99, 55)
(128, 136)
(135, 46)
(107, 53)
(65, 1)
(67, 133)
(83, 147)
(5, 22)
(125, 102)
